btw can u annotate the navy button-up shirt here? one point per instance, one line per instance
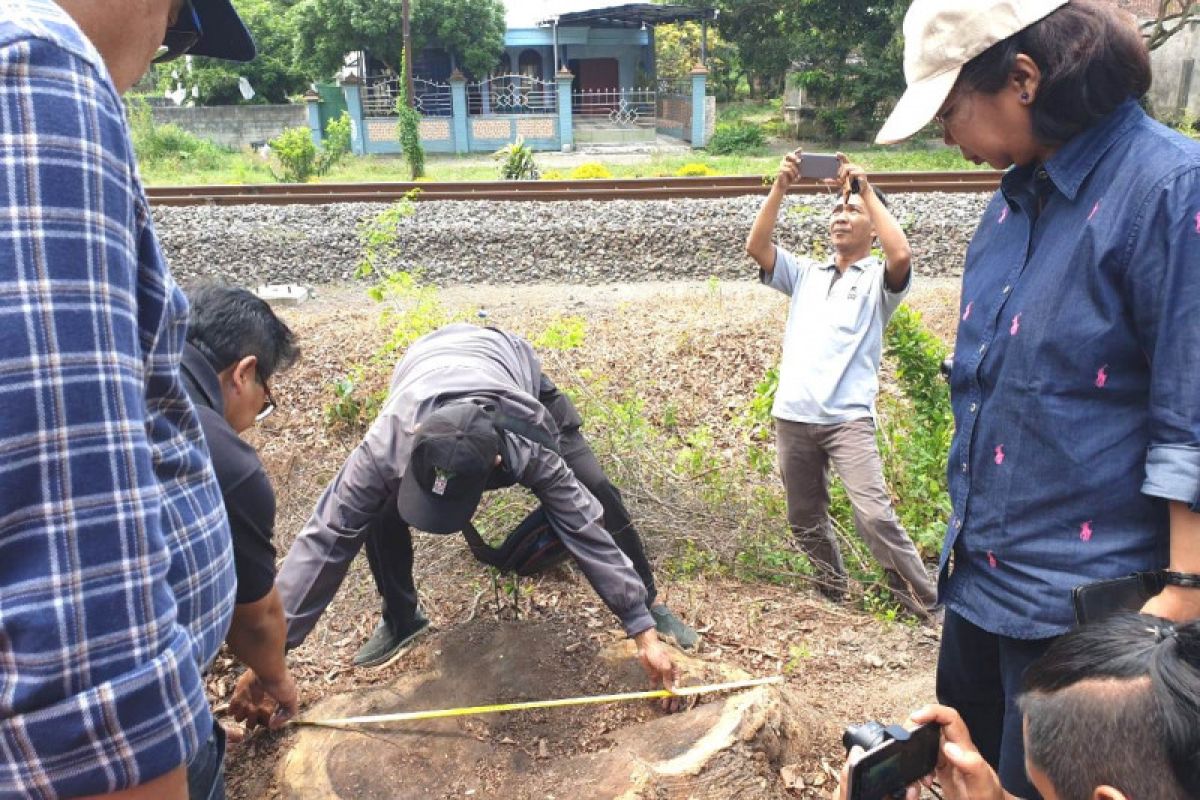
(1076, 382)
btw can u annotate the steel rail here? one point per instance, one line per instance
(615, 189)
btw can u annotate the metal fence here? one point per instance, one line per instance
(431, 99)
(511, 94)
(615, 109)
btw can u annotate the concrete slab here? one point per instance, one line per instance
(284, 294)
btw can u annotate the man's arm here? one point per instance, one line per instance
(317, 561)
(1164, 280)
(760, 244)
(103, 692)
(258, 637)
(896, 252)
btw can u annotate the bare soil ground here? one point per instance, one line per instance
(695, 349)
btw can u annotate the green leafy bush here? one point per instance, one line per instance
(297, 156)
(736, 137)
(169, 144)
(590, 171)
(516, 161)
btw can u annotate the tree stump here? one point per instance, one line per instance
(725, 746)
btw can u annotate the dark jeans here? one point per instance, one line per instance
(979, 674)
(389, 541)
(206, 770)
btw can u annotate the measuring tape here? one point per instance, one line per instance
(409, 716)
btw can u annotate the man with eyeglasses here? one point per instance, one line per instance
(116, 572)
(235, 345)
(825, 405)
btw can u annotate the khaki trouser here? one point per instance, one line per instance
(805, 453)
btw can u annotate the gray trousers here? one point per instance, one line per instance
(805, 453)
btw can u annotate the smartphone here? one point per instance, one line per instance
(893, 765)
(819, 165)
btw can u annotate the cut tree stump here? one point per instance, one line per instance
(726, 746)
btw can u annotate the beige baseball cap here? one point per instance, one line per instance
(940, 36)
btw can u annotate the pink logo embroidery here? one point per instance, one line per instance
(991, 559)
(967, 312)
(1004, 215)
(1095, 208)
(1198, 222)
(1085, 531)
(1102, 376)
(999, 454)
(1016, 325)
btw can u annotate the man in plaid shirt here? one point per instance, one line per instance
(116, 573)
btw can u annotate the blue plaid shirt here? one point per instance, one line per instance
(116, 573)
(1076, 383)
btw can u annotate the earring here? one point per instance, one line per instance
(1024, 97)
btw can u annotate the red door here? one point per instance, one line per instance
(595, 88)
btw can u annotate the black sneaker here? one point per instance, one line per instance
(673, 628)
(384, 646)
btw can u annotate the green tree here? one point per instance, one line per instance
(471, 31)
(677, 51)
(272, 75)
(846, 53)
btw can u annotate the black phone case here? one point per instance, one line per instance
(1095, 601)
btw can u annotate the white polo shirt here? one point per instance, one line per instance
(834, 337)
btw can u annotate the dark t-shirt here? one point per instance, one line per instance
(249, 498)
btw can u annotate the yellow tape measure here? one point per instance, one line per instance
(409, 716)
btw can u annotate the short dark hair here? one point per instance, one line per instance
(1117, 703)
(1092, 60)
(227, 324)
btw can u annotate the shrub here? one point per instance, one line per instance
(516, 161)
(736, 137)
(552, 175)
(299, 158)
(169, 144)
(694, 170)
(296, 154)
(592, 171)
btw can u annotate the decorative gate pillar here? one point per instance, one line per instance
(352, 89)
(458, 110)
(699, 105)
(566, 131)
(313, 101)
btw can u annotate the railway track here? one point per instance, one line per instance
(616, 189)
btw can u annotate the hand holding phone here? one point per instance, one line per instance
(898, 759)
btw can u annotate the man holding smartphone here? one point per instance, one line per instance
(828, 376)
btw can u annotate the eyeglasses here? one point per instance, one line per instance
(268, 406)
(182, 34)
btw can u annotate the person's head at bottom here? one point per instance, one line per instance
(1111, 712)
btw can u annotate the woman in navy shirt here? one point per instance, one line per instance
(1076, 381)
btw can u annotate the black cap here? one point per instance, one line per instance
(453, 453)
(216, 31)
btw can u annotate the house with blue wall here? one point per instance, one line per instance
(571, 74)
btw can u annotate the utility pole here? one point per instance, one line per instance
(407, 37)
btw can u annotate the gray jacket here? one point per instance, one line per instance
(456, 361)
